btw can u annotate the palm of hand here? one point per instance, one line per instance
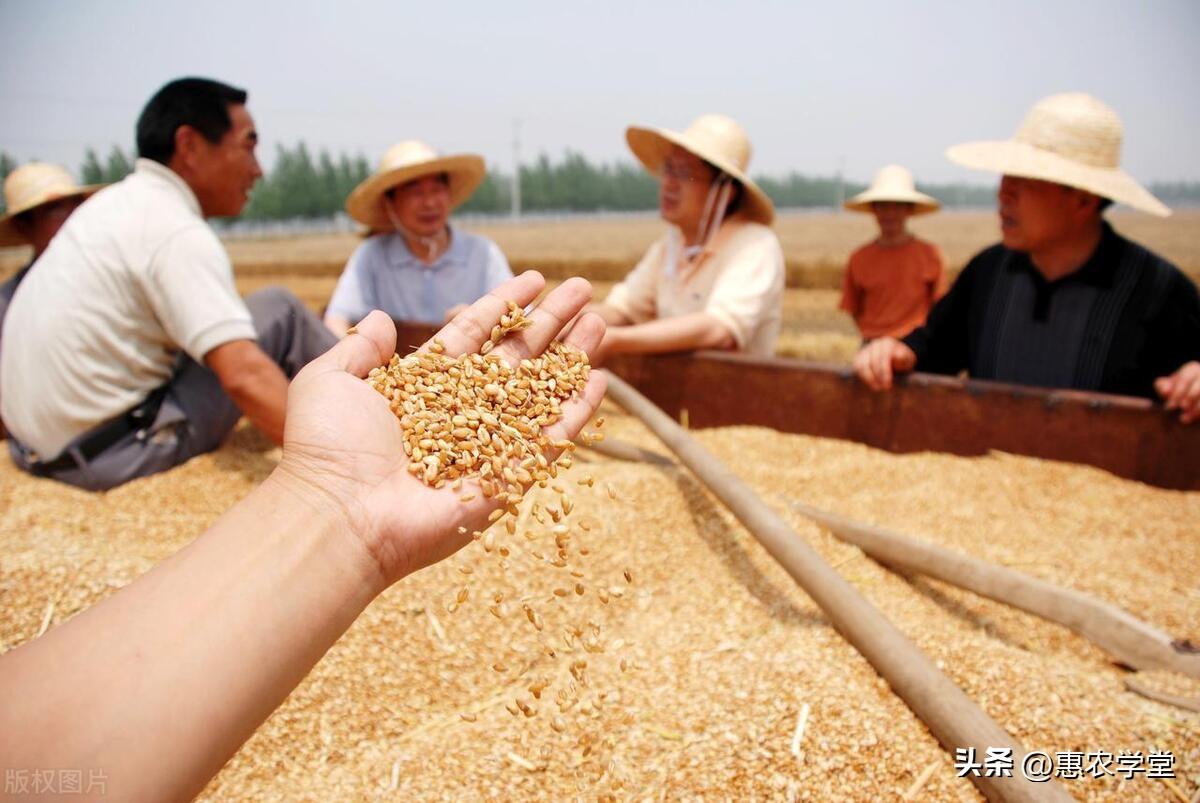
(344, 442)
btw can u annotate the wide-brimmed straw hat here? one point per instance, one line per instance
(30, 186)
(1071, 139)
(716, 139)
(893, 183)
(406, 161)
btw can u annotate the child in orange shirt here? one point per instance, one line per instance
(892, 282)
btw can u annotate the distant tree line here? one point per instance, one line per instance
(301, 185)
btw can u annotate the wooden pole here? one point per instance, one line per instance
(1123, 636)
(953, 717)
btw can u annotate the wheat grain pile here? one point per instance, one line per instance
(712, 652)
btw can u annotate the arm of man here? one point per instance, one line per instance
(255, 383)
(160, 683)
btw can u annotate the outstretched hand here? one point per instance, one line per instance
(879, 361)
(1181, 391)
(343, 446)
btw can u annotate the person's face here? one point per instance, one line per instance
(223, 173)
(1037, 214)
(683, 189)
(43, 222)
(892, 217)
(423, 205)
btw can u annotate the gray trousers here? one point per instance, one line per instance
(196, 414)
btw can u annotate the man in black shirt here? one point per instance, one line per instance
(1063, 301)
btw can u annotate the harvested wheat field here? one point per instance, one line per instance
(710, 654)
(816, 247)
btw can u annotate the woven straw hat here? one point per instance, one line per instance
(406, 161)
(30, 186)
(893, 183)
(716, 139)
(1071, 139)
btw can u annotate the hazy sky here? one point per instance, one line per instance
(813, 83)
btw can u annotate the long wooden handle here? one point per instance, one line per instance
(1123, 636)
(953, 717)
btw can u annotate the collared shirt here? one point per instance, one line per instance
(1125, 318)
(134, 276)
(7, 291)
(739, 281)
(383, 274)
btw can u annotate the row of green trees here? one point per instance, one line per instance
(301, 185)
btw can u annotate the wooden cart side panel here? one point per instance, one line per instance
(1129, 437)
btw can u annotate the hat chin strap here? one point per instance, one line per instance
(430, 244)
(715, 204)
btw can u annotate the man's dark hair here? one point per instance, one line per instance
(199, 102)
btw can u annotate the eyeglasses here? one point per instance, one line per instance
(684, 172)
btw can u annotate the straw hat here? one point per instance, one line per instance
(893, 183)
(1070, 139)
(403, 162)
(716, 139)
(30, 186)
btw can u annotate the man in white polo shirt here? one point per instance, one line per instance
(128, 350)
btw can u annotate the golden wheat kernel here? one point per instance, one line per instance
(510, 525)
(466, 497)
(561, 592)
(452, 607)
(628, 576)
(465, 569)
(495, 515)
(512, 709)
(463, 593)
(499, 667)
(489, 541)
(467, 716)
(579, 589)
(589, 481)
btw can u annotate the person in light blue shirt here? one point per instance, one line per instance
(417, 267)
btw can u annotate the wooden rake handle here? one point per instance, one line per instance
(953, 717)
(1126, 638)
